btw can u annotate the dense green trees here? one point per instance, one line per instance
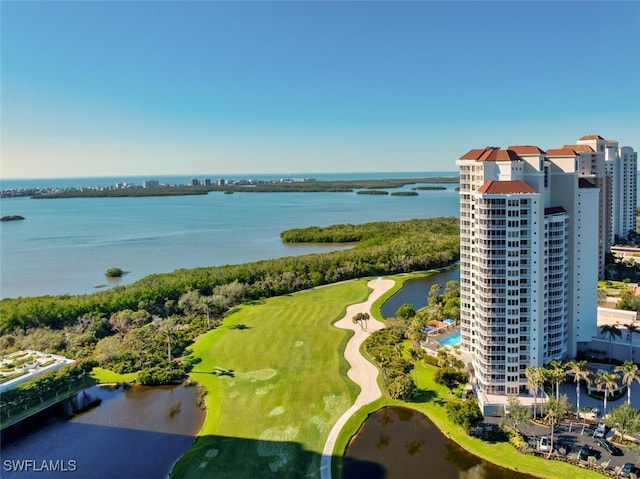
(466, 413)
(384, 248)
(124, 328)
(385, 347)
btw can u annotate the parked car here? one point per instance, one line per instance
(610, 448)
(600, 430)
(544, 444)
(628, 468)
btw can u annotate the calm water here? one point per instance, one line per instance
(66, 245)
(401, 443)
(137, 433)
(416, 292)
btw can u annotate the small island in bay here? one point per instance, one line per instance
(12, 218)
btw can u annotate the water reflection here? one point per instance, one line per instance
(416, 291)
(405, 444)
(139, 432)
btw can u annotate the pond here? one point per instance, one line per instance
(416, 291)
(396, 442)
(137, 432)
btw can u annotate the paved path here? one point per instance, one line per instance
(362, 372)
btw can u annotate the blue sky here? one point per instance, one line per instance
(143, 88)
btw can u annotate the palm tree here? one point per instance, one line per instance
(415, 355)
(613, 332)
(630, 373)
(556, 409)
(579, 372)
(607, 382)
(169, 334)
(556, 374)
(535, 380)
(631, 328)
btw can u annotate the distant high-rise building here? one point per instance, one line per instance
(529, 249)
(150, 183)
(621, 165)
(194, 182)
(206, 181)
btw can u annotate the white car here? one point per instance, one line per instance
(545, 444)
(600, 430)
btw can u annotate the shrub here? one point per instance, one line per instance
(114, 273)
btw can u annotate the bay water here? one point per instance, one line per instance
(66, 245)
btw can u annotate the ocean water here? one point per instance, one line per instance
(66, 245)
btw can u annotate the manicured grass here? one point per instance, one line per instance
(105, 376)
(276, 383)
(431, 401)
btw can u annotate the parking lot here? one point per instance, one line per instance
(570, 437)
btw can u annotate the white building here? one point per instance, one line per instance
(529, 249)
(621, 165)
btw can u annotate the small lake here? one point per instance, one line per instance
(138, 432)
(416, 291)
(401, 443)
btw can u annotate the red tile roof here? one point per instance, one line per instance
(592, 137)
(561, 152)
(473, 154)
(580, 148)
(526, 150)
(490, 153)
(505, 187)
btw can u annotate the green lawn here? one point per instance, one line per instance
(276, 384)
(431, 401)
(104, 376)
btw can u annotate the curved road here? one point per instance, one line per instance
(362, 372)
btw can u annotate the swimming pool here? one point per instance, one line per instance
(450, 340)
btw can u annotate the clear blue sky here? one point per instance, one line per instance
(122, 88)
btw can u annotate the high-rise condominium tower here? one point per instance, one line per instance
(530, 235)
(621, 166)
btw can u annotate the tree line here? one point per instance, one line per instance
(146, 325)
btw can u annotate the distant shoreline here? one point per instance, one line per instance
(258, 186)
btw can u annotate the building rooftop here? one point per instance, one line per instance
(580, 148)
(591, 137)
(490, 153)
(554, 210)
(562, 152)
(21, 366)
(526, 150)
(505, 187)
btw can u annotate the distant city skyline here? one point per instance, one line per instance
(168, 88)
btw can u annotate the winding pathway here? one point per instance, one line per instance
(362, 372)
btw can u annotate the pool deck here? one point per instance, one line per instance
(431, 344)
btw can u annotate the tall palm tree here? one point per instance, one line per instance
(580, 373)
(612, 331)
(556, 410)
(630, 373)
(169, 334)
(535, 380)
(556, 374)
(631, 328)
(607, 382)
